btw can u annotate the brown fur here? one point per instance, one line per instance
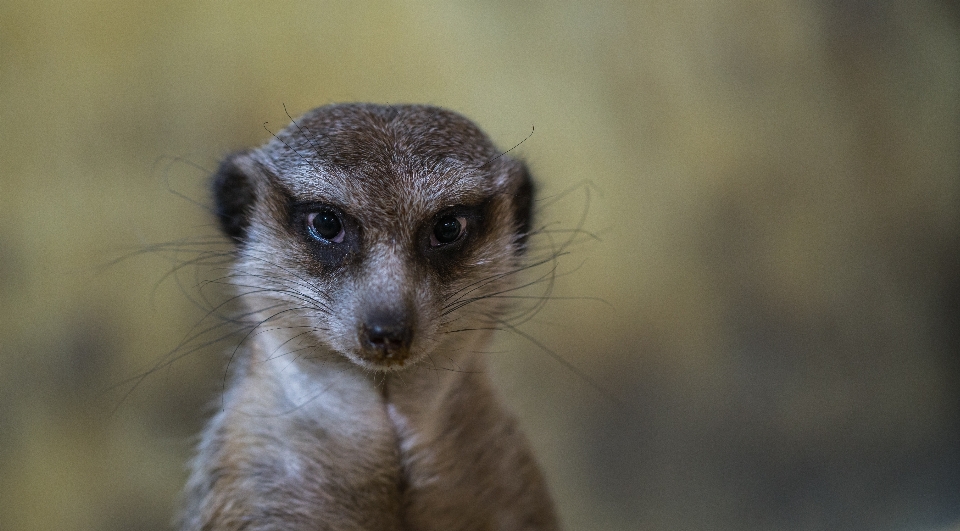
(323, 427)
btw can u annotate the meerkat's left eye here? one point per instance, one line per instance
(448, 229)
(325, 226)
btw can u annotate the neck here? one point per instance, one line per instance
(426, 448)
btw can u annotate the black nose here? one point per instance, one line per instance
(386, 338)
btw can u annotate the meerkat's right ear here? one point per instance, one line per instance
(234, 194)
(523, 206)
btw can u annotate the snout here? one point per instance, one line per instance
(385, 338)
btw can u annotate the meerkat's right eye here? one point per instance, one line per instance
(448, 229)
(325, 226)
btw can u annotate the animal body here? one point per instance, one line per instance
(376, 251)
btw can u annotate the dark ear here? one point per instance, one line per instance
(233, 197)
(523, 206)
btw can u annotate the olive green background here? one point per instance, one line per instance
(774, 188)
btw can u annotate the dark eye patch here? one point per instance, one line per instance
(451, 232)
(332, 236)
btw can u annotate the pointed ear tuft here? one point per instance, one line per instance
(234, 195)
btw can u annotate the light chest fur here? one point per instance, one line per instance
(376, 251)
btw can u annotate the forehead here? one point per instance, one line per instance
(384, 158)
(366, 188)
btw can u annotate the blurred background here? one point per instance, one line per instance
(774, 187)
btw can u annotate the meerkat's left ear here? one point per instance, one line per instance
(523, 205)
(234, 195)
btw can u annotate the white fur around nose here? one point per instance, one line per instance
(387, 287)
(387, 274)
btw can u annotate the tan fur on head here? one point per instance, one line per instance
(372, 242)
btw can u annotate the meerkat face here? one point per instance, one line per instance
(378, 233)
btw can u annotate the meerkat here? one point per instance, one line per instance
(376, 247)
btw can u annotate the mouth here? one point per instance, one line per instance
(385, 357)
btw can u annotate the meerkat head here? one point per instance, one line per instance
(378, 233)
